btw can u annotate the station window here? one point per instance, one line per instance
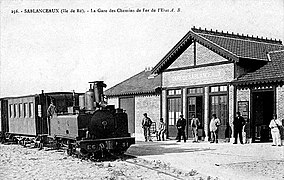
(25, 109)
(31, 109)
(219, 89)
(195, 90)
(11, 110)
(223, 88)
(174, 110)
(174, 92)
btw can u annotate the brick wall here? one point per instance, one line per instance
(280, 102)
(205, 56)
(185, 59)
(149, 105)
(243, 95)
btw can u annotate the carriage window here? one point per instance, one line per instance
(20, 109)
(31, 109)
(25, 109)
(15, 110)
(11, 110)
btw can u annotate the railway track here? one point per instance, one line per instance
(157, 166)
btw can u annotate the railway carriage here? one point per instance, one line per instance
(83, 122)
(4, 126)
(26, 116)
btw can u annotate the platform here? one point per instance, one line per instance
(216, 160)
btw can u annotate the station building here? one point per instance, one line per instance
(209, 72)
(138, 95)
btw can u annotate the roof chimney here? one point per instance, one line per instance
(148, 69)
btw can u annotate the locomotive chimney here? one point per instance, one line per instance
(98, 90)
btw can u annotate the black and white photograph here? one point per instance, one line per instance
(140, 89)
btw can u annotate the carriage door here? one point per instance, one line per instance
(174, 111)
(4, 125)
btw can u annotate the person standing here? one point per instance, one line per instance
(181, 123)
(275, 125)
(50, 112)
(162, 130)
(146, 124)
(194, 125)
(214, 127)
(247, 132)
(228, 132)
(239, 122)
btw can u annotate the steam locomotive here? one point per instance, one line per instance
(90, 127)
(95, 128)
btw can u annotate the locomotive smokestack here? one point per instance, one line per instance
(98, 90)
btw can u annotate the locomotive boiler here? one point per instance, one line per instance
(94, 128)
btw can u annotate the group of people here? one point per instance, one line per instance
(239, 125)
(181, 124)
(146, 125)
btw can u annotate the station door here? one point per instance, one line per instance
(174, 111)
(262, 113)
(127, 104)
(195, 107)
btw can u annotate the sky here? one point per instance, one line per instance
(64, 51)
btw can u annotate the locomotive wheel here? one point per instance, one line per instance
(15, 140)
(119, 152)
(83, 153)
(69, 152)
(70, 149)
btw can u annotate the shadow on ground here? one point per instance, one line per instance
(155, 148)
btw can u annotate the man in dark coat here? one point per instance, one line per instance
(239, 122)
(181, 123)
(146, 125)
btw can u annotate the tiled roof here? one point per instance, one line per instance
(272, 71)
(243, 48)
(230, 46)
(136, 85)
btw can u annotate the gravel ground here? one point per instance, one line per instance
(17, 162)
(159, 161)
(223, 160)
(269, 169)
